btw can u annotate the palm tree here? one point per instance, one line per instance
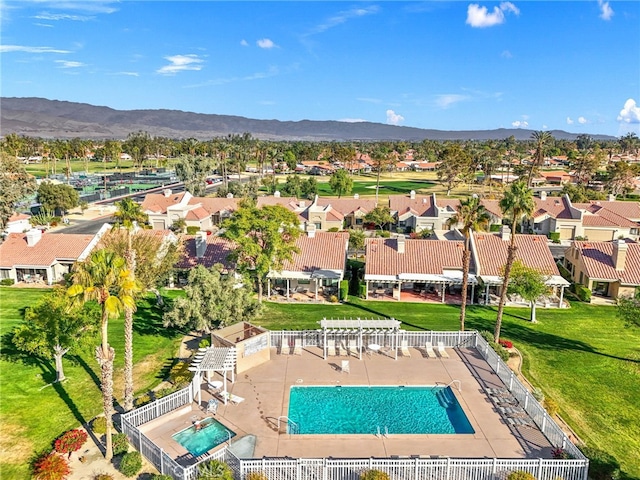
(472, 215)
(541, 139)
(128, 214)
(515, 204)
(103, 277)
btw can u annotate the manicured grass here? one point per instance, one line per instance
(34, 412)
(584, 358)
(387, 187)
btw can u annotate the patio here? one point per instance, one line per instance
(265, 390)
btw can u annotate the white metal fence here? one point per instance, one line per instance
(411, 468)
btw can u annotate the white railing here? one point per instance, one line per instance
(538, 414)
(159, 407)
(410, 468)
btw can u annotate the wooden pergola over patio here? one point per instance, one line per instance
(359, 326)
(213, 359)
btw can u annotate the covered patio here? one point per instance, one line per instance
(430, 287)
(358, 333)
(211, 360)
(493, 285)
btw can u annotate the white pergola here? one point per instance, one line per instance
(359, 326)
(554, 281)
(213, 359)
(447, 277)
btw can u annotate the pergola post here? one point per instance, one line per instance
(324, 344)
(366, 290)
(473, 289)
(268, 287)
(444, 287)
(561, 296)
(288, 285)
(486, 294)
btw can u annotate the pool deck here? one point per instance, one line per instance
(265, 391)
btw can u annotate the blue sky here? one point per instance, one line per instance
(455, 65)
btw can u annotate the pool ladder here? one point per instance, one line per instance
(385, 434)
(456, 383)
(295, 428)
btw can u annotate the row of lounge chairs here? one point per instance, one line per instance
(352, 349)
(507, 405)
(285, 348)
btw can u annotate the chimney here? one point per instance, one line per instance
(167, 192)
(311, 230)
(400, 244)
(619, 255)
(303, 204)
(201, 244)
(356, 196)
(543, 195)
(424, 200)
(33, 236)
(612, 197)
(276, 194)
(412, 194)
(505, 233)
(229, 195)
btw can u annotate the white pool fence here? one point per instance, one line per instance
(399, 468)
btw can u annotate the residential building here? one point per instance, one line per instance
(608, 269)
(18, 223)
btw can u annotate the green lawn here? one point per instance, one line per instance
(584, 358)
(33, 412)
(387, 187)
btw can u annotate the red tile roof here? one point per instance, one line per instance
(598, 264)
(215, 205)
(324, 251)
(347, 206)
(532, 250)
(422, 205)
(628, 210)
(49, 249)
(429, 257)
(218, 249)
(556, 207)
(158, 202)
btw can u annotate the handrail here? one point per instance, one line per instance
(288, 422)
(458, 384)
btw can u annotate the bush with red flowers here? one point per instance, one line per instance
(506, 343)
(560, 454)
(50, 466)
(70, 441)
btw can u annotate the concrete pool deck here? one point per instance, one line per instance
(265, 390)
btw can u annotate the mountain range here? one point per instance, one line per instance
(41, 117)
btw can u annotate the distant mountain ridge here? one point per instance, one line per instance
(40, 117)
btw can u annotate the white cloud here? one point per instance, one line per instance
(63, 16)
(606, 12)
(630, 113)
(244, 43)
(265, 43)
(570, 121)
(520, 124)
(393, 118)
(582, 120)
(343, 17)
(506, 54)
(70, 64)
(127, 74)
(26, 49)
(180, 63)
(446, 100)
(480, 17)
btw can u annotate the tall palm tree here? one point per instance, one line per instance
(103, 277)
(129, 214)
(541, 139)
(516, 203)
(472, 215)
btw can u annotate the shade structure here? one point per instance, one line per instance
(359, 327)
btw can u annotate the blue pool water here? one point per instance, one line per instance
(210, 434)
(400, 410)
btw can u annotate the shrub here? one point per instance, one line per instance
(99, 426)
(159, 476)
(192, 229)
(602, 466)
(506, 343)
(214, 470)
(180, 375)
(374, 475)
(362, 289)
(501, 351)
(130, 464)
(50, 466)
(333, 299)
(333, 229)
(560, 454)
(487, 335)
(5, 282)
(554, 237)
(551, 406)
(385, 234)
(70, 441)
(120, 443)
(538, 395)
(142, 400)
(344, 290)
(520, 475)
(204, 343)
(103, 476)
(256, 476)
(163, 392)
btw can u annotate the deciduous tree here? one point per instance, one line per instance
(15, 184)
(340, 182)
(529, 283)
(57, 197)
(193, 172)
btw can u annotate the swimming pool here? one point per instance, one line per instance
(211, 433)
(372, 410)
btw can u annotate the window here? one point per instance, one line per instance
(634, 231)
(581, 279)
(318, 226)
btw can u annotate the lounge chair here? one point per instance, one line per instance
(331, 348)
(285, 348)
(430, 351)
(520, 422)
(512, 411)
(404, 349)
(230, 397)
(345, 368)
(297, 347)
(212, 406)
(441, 350)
